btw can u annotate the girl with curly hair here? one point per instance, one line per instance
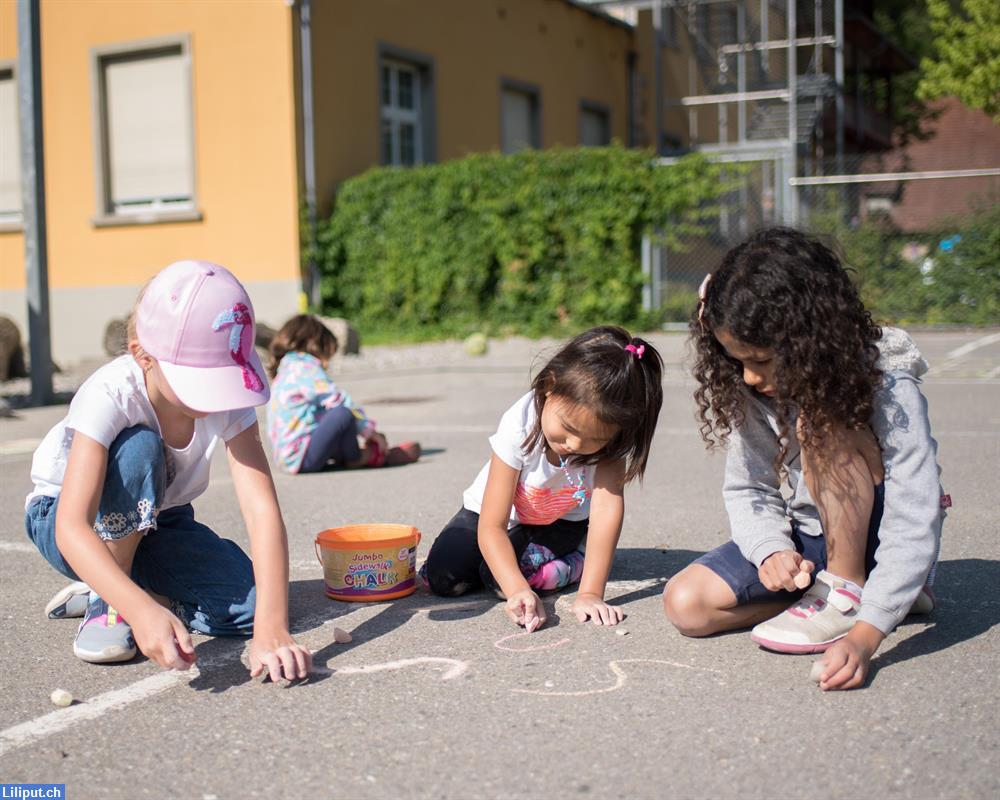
(800, 384)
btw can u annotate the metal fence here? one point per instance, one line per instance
(904, 215)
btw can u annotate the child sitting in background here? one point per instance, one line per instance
(313, 424)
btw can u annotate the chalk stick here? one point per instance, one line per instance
(532, 624)
(340, 636)
(817, 670)
(61, 698)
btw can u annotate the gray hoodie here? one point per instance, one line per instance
(910, 532)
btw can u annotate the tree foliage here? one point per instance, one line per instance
(966, 59)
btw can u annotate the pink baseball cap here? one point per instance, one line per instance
(197, 320)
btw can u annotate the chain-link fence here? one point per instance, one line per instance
(924, 244)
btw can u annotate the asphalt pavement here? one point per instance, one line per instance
(440, 698)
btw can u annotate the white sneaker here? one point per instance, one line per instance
(71, 601)
(824, 614)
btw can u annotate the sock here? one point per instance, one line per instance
(850, 586)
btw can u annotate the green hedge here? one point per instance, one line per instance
(527, 243)
(957, 282)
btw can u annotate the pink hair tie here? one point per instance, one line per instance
(636, 351)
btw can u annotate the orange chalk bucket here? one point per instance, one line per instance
(364, 563)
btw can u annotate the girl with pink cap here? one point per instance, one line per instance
(114, 481)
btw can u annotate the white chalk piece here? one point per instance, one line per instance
(532, 624)
(817, 670)
(802, 580)
(340, 636)
(621, 631)
(61, 698)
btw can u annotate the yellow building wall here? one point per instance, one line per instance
(568, 53)
(244, 142)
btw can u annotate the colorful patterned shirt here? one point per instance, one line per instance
(302, 390)
(544, 491)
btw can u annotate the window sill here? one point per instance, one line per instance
(12, 226)
(150, 218)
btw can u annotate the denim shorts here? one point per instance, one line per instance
(741, 575)
(208, 580)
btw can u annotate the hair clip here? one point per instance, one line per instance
(702, 292)
(636, 351)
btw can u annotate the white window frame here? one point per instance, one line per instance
(156, 210)
(394, 115)
(13, 220)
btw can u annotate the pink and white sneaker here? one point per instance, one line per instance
(824, 614)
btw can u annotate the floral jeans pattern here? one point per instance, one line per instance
(208, 580)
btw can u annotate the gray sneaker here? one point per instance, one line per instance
(70, 601)
(104, 636)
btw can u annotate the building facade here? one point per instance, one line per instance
(182, 130)
(175, 130)
(169, 133)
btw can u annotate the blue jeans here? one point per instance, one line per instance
(208, 580)
(335, 439)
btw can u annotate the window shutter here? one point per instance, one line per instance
(149, 130)
(516, 112)
(10, 148)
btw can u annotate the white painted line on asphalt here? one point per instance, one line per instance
(55, 722)
(954, 357)
(975, 344)
(19, 447)
(18, 547)
(953, 381)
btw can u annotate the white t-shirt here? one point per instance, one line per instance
(114, 398)
(543, 493)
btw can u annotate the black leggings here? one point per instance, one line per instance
(455, 564)
(336, 439)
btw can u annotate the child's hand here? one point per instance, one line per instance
(590, 605)
(787, 570)
(526, 608)
(163, 638)
(278, 653)
(846, 662)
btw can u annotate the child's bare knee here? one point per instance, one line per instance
(684, 605)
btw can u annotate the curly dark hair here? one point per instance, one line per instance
(623, 388)
(788, 292)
